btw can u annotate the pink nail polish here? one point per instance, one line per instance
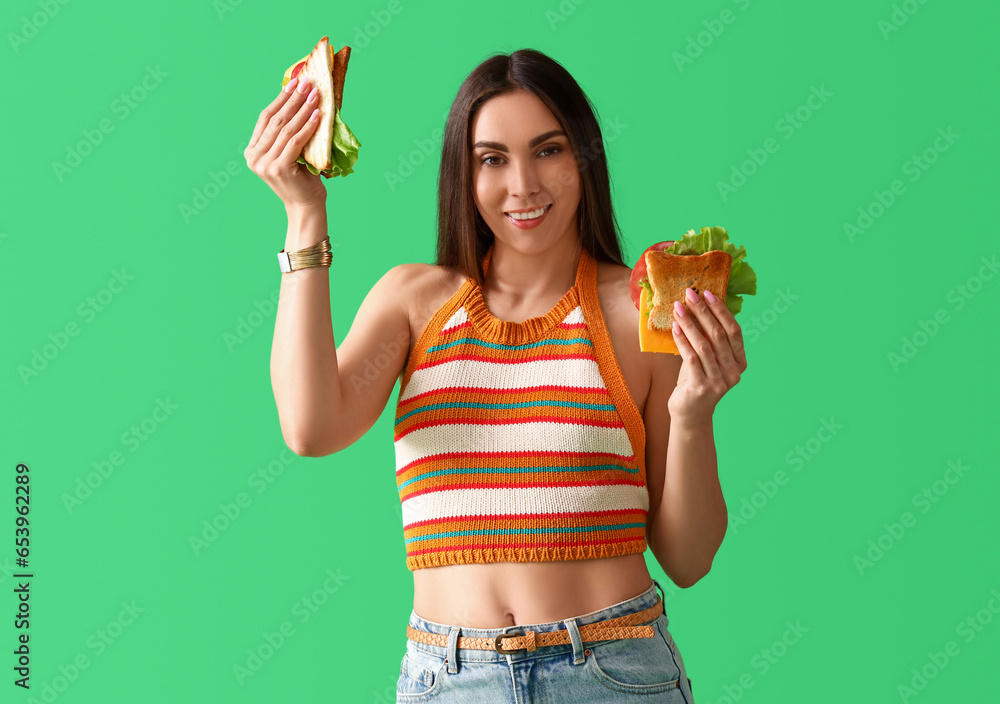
(692, 296)
(679, 309)
(290, 86)
(709, 297)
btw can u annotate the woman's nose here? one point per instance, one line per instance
(524, 180)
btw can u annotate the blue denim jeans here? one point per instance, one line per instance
(613, 671)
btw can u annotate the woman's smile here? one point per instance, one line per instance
(526, 219)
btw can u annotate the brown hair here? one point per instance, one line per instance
(463, 236)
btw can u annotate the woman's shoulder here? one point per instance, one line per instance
(425, 288)
(613, 290)
(426, 279)
(621, 317)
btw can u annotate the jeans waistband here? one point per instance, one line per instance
(643, 601)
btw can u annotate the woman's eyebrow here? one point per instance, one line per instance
(534, 141)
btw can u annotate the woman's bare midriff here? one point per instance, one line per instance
(499, 594)
(495, 595)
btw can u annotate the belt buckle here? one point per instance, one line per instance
(500, 649)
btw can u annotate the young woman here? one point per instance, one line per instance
(538, 451)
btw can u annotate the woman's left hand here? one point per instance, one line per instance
(713, 357)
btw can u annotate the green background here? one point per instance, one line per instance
(832, 308)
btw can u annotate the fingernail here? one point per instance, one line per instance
(679, 309)
(291, 85)
(303, 85)
(709, 297)
(692, 296)
(312, 96)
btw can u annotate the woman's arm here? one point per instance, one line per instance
(325, 400)
(303, 357)
(689, 519)
(328, 398)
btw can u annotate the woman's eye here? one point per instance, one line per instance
(497, 160)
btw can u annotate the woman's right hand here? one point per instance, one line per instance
(282, 131)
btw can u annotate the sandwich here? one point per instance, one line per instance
(700, 261)
(333, 149)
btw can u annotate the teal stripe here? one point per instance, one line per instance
(512, 470)
(523, 531)
(507, 406)
(499, 346)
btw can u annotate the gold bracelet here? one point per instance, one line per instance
(316, 255)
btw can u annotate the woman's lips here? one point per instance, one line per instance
(533, 222)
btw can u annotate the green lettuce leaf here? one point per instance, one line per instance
(644, 282)
(343, 151)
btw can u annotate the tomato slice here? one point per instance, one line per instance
(639, 271)
(295, 71)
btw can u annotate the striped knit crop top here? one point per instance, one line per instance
(519, 442)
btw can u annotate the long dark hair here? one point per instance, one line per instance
(463, 236)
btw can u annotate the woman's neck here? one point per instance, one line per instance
(518, 276)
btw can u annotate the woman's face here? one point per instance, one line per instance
(522, 163)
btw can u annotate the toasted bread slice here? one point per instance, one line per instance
(670, 274)
(319, 71)
(653, 340)
(340, 61)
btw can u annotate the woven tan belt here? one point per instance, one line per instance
(612, 629)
